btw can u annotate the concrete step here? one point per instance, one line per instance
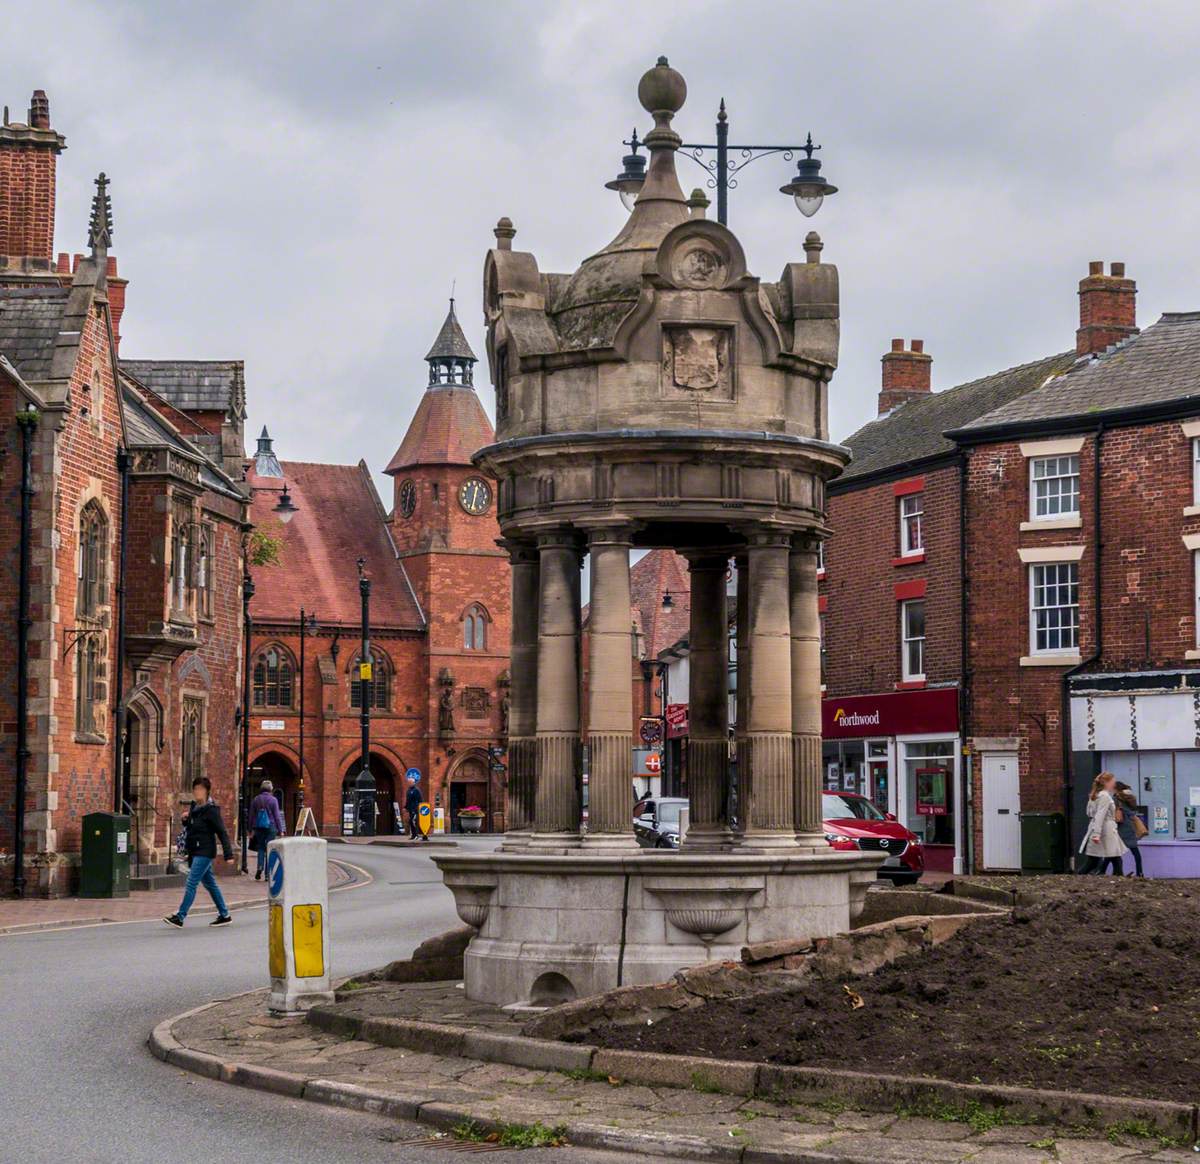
(157, 881)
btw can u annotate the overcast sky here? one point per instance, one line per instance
(299, 184)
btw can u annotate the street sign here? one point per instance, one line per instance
(424, 818)
(364, 670)
(654, 763)
(651, 730)
(413, 774)
(275, 872)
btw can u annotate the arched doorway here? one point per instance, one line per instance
(386, 817)
(154, 827)
(470, 785)
(281, 771)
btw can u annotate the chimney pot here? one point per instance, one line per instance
(64, 263)
(1096, 268)
(39, 110)
(897, 345)
(1117, 270)
(905, 374)
(918, 345)
(1107, 309)
(75, 261)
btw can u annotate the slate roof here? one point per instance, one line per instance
(450, 342)
(1158, 366)
(338, 519)
(915, 430)
(31, 318)
(448, 426)
(194, 385)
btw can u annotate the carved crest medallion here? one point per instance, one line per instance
(697, 360)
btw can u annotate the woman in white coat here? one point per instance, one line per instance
(1101, 844)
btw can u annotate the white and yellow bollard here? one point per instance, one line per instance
(297, 925)
(439, 822)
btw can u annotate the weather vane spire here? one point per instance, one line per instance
(101, 226)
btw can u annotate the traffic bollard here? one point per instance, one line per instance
(297, 925)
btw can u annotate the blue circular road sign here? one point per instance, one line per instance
(275, 872)
(413, 774)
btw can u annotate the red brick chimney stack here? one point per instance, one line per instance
(116, 299)
(906, 373)
(1107, 311)
(28, 159)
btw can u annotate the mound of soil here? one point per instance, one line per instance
(1092, 984)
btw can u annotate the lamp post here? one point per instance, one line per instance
(364, 784)
(27, 421)
(807, 187)
(308, 624)
(243, 810)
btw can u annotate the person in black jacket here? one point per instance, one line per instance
(412, 805)
(204, 828)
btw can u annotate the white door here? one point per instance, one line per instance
(1001, 811)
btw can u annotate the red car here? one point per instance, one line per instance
(853, 822)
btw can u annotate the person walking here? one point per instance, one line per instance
(412, 806)
(1101, 844)
(267, 821)
(1130, 828)
(204, 828)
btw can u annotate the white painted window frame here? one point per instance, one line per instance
(1043, 519)
(907, 549)
(906, 675)
(1059, 651)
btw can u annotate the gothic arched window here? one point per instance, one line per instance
(204, 570)
(93, 556)
(274, 672)
(379, 686)
(475, 622)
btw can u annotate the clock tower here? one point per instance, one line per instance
(444, 526)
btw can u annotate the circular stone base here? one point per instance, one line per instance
(556, 927)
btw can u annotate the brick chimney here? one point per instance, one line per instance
(28, 159)
(1107, 312)
(906, 373)
(116, 299)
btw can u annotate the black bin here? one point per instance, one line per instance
(1043, 842)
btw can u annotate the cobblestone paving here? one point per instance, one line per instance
(239, 1030)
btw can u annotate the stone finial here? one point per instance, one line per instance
(39, 110)
(813, 246)
(698, 203)
(504, 232)
(662, 90)
(101, 226)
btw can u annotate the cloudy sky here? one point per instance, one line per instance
(300, 184)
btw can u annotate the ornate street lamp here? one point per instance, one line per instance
(244, 803)
(808, 188)
(308, 625)
(284, 509)
(364, 783)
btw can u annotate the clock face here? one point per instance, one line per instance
(408, 499)
(475, 495)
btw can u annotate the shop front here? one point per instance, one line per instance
(1145, 729)
(902, 751)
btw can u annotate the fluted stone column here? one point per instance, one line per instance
(556, 800)
(610, 692)
(522, 695)
(806, 693)
(708, 705)
(742, 693)
(770, 817)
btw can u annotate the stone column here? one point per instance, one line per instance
(610, 692)
(556, 800)
(708, 705)
(770, 820)
(806, 693)
(742, 695)
(522, 695)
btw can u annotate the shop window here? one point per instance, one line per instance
(1054, 487)
(912, 538)
(1054, 608)
(274, 675)
(929, 780)
(192, 742)
(475, 628)
(379, 685)
(912, 640)
(93, 555)
(1167, 787)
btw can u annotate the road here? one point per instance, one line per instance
(77, 1082)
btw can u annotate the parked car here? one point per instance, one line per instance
(853, 822)
(656, 821)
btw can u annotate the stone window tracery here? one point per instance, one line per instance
(475, 622)
(274, 673)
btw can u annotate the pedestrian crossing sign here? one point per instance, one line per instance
(424, 818)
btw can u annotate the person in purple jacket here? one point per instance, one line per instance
(267, 822)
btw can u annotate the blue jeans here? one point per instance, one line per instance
(262, 838)
(201, 873)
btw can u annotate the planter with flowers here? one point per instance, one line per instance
(470, 819)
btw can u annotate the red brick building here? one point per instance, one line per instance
(440, 615)
(120, 550)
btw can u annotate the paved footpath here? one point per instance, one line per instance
(237, 1041)
(239, 890)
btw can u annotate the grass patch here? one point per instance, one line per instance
(512, 1135)
(586, 1075)
(353, 984)
(1047, 1145)
(972, 1113)
(1141, 1130)
(701, 1082)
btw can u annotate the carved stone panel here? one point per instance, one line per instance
(697, 362)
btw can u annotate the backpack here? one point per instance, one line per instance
(263, 820)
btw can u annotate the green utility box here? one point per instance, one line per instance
(1043, 842)
(104, 855)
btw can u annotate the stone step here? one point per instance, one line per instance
(157, 881)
